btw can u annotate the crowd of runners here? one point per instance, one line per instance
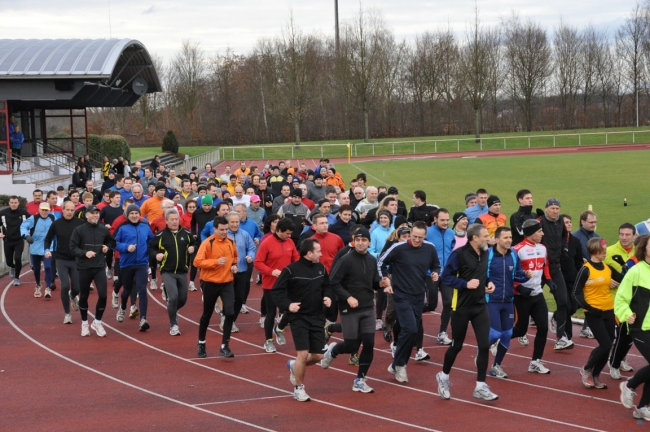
(341, 257)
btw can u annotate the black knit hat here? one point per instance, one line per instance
(493, 199)
(458, 216)
(399, 220)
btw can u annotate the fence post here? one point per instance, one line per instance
(435, 146)
(553, 140)
(529, 142)
(504, 143)
(233, 153)
(480, 143)
(263, 152)
(633, 138)
(291, 152)
(413, 147)
(606, 140)
(373, 149)
(393, 149)
(579, 139)
(458, 143)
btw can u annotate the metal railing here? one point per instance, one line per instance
(459, 145)
(199, 161)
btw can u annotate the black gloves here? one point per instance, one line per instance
(29, 239)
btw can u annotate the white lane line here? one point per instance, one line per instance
(253, 381)
(238, 355)
(399, 385)
(242, 400)
(112, 378)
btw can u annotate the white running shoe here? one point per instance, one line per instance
(74, 303)
(562, 344)
(497, 371)
(279, 336)
(144, 325)
(262, 322)
(85, 329)
(553, 326)
(361, 386)
(641, 413)
(37, 291)
(493, 348)
(625, 367)
(243, 310)
(614, 373)
(443, 386)
(536, 366)
(393, 348)
(483, 392)
(174, 330)
(292, 374)
(443, 339)
(191, 287)
(269, 347)
(627, 395)
(67, 319)
(109, 273)
(99, 328)
(586, 333)
(421, 355)
(327, 359)
(134, 312)
(115, 300)
(523, 340)
(300, 395)
(378, 324)
(400, 374)
(48, 293)
(153, 285)
(235, 329)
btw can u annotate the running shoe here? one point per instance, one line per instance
(235, 329)
(443, 339)
(421, 355)
(493, 348)
(641, 413)
(109, 273)
(614, 373)
(625, 367)
(523, 340)
(12, 272)
(269, 347)
(134, 312)
(536, 366)
(483, 392)
(67, 319)
(74, 302)
(37, 291)
(327, 333)
(144, 325)
(400, 374)
(200, 350)
(354, 359)
(598, 384)
(393, 348)
(327, 359)
(553, 326)
(627, 395)
(531, 322)
(85, 329)
(243, 310)
(443, 386)
(192, 287)
(115, 300)
(53, 286)
(99, 328)
(300, 395)
(497, 371)
(16, 282)
(587, 378)
(48, 293)
(292, 375)
(262, 321)
(153, 285)
(563, 343)
(361, 386)
(174, 330)
(378, 324)
(586, 333)
(388, 336)
(279, 336)
(259, 279)
(224, 351)
(278, 318)
(120, 315)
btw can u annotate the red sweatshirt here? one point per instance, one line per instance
(330, 244)
(272, 254)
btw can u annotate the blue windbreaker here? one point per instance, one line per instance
(42, 227)
(138, 234)
(503, 271)
(443, 241)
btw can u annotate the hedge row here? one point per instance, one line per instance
(112, 146)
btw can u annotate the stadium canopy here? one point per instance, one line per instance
(74, 73)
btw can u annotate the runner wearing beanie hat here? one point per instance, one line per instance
(493, 219)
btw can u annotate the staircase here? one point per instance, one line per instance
(167, 159)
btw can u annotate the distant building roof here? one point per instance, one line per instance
(75, 66)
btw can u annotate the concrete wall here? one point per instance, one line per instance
(7, 187)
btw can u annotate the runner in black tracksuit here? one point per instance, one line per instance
(354, 278)
(11, 218)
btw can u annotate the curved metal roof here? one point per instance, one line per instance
(112, 61)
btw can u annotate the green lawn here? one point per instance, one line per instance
(140, 153)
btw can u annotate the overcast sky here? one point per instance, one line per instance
(238, 24)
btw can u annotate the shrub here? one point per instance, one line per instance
(170, 143)
(4, 201)
(112, 146)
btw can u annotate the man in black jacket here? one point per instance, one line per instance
(172, 248)
(409, 262)
(301, 289)
(525, 212)
(89, 244)
(355, 279)
(342, 226)
(555, 235)
(11, 218)
(401, 205)
(60, 233)
(466, 272)
(420, 210)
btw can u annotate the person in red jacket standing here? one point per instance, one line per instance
(274, 254)
(32, 207)
(330, 243)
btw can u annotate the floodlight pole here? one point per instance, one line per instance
(637, 108)
(336, 23)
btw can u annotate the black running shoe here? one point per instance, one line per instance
(53, 287)
(388, 336)
(200, 351)
(225, 352)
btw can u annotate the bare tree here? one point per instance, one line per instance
(528, 55)
(568, 47)
(479, 62)
(389, 73)
(186, 80)
(604, 68)
(448, 88)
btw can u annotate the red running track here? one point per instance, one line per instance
(486, 153)
(53, 379)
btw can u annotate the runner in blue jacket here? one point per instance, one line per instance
(504, 269)
(34, 230)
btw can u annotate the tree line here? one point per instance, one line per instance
(516, 76)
